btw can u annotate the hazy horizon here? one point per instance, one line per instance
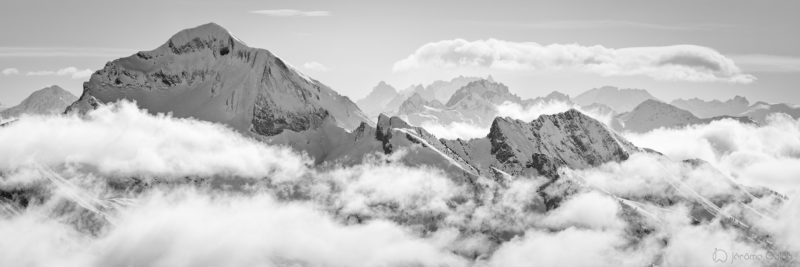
(353, 46)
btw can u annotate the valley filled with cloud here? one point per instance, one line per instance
(121, 187)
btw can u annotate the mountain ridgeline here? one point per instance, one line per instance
(208, 74)
(46, 101)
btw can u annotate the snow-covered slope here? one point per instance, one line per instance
(208, 74)
(761, 110)
(713, 108)
(654, 114)
(50, 100)
(621, 100)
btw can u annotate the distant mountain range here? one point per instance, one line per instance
(621, 100)
(708, 109)
(385, 99)
(654, 114)
(737, 107)
(46, 101)
(761, 110)
(475, 103)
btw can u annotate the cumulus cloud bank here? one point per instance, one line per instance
(122, 141)
(118, 188)
(759, 155)
(678, 62)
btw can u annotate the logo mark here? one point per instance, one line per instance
(720, 255)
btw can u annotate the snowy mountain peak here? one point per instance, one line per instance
(210, 35)
(551, 141)
(206, 73)
(485, 89)
(49, 100)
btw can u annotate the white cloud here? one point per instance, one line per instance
(10, 71)
(291, 13)
(766, 155)
(65, 52)
(768, 63)
(455, 130)
(315, 66)
(72, 72)
(379, 213)
(531, 112)
(679, 62)
(190, 228)
(122, 141)
(588, 210)
(570, 247)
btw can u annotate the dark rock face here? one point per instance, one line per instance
(552, 141)
(267, 121)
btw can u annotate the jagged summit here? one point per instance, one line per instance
(208, 33)
(206, 73)
(551, 141)
(378, 100)
(485, 88)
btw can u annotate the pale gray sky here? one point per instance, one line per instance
(351, 45)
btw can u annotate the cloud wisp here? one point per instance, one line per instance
(291, 13)
(601, 24)
(767, 63)
(64, 52)
(315, 66)
(676, 63)
(10, 71)
(71, 72)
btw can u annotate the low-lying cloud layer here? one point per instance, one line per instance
(678, 62)
(200, 194)
(767, 155)
(123, 141)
